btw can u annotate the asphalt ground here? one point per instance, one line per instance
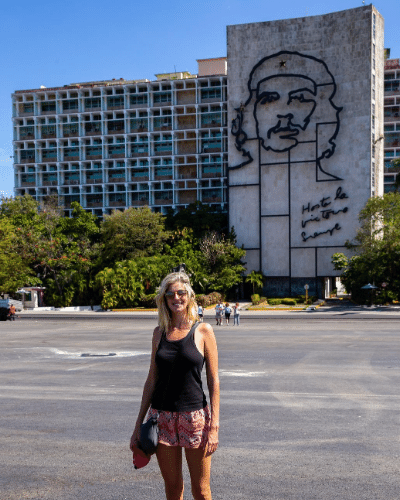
(309, 409)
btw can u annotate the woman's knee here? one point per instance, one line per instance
(201, 491)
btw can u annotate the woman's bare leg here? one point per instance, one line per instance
(199, 468)
(170, 462)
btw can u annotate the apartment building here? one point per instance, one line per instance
(392, 122)
(119, 143)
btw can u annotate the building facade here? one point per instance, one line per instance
(116, 144)
(305, 99)
(392, 122)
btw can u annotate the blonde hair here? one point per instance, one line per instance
(164, 313)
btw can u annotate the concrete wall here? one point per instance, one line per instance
(300, 149)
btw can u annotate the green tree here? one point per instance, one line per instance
(14, 270)
(256, 279)
(201, 219)
(377, 247)
(132, 233)
(57, 249)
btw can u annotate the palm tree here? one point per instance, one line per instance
(256, 279)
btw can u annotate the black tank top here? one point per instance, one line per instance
(179, 365)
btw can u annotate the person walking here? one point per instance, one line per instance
(173, 390)
(12, 312)
(236, 314)
(219, 310)
(228, 311)
(200, 312)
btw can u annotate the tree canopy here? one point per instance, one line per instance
(118, 261)
(377, 248)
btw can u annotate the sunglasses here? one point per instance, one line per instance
(180, 293)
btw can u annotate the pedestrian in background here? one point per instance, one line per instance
(200, 312)
(236, 314)
(228, 311)
(11, 312)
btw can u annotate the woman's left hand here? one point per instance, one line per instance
(213, 442)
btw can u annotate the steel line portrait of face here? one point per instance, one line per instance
(290, 104)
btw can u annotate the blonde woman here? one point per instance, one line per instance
(173, 390)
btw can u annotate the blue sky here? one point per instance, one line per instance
(54, 43)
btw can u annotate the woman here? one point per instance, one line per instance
(173, 390)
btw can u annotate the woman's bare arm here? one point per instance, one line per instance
(148, 389)
(211, 357)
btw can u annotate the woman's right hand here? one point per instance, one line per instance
(133, 445)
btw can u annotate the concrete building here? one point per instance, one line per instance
(117, 143)
(392, 121)
(305, 150)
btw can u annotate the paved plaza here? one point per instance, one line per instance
(309, 408)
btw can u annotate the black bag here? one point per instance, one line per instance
(149, 436)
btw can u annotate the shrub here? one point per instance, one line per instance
(208, 300)
(263, 299)
(274, 302)
(289, 302)
(255, 299)
(148, 301)
(201, 300)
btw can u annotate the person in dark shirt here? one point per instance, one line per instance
(173, 390)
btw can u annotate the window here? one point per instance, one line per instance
(28, 108)
(28, 154)
(49, 154)
(162, 97)
(48, 106)
(113, 102)
(68, 152)
(211, 140)
(116, 125)
(93, 102)
(94, 151)
(70, 104)
(25, 132)
(163, 143)
(136, 100)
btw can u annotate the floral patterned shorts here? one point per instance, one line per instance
(188, 429)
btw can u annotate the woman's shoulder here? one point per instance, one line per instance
(205, 329)
(157, 334)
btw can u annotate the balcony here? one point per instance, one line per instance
(186, 122)
(94, 181)
(119, 203)
(49, 183)
(187, 197)
(212, 199)
(94, 204)
(27, 184)
(211, 124)
(392, 118)
(116, 155)
(185, 147)
(186, 97)
(115, 180)
(139, 152)
(163, 201)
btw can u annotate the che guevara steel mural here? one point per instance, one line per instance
(290, 118)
